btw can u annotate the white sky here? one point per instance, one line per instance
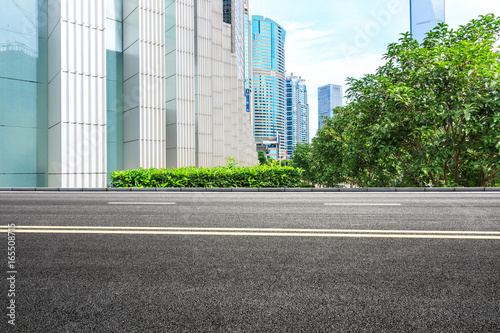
(330, 40)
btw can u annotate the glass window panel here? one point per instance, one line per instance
(170, 88)
(114, 96)
(18, 105)
(22, 180)
(42, 61)
(170, 15)
(114, 33)
(170, 40)
(114, 65)
(111, 156)
(20, 16)
(19, 150)
(114, 157)
(19, 57)
(111, 122)
(114, 9)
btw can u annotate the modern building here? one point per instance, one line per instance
(424, 16)
(226, 9)
(89, 87)
(297, 113)
(248, 55)
(268, 82)
(329, 97)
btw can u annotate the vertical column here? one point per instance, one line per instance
(235, 130)
(179, 50)
(217, 85)
(77, 94)
(144, 84)
(152, 69)
(203, 72)
(131, 86)
(114, 84)
(226, 55)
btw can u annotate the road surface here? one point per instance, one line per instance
(250, 262)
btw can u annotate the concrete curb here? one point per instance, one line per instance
(267, 189)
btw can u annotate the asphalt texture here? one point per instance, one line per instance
(253, 282)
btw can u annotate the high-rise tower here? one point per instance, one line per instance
(268, 79)
(248, 55)
(424, 16)
(329, 97)
(297, 113)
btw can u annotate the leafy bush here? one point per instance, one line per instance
(223, 176)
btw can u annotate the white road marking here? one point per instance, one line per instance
(360, 204)
(391, 231)
(131, 203)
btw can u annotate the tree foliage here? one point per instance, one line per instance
(429, 117)
(262, 158)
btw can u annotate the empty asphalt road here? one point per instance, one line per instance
(250, 262)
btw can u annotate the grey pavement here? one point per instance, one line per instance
(207, 262)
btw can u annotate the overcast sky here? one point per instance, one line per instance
(330, 40)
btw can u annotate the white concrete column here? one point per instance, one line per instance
(217, 86)
(144, 119)
(180, 83)
(77, 93)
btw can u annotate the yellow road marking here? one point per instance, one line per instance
(261, 229)
(429, 234)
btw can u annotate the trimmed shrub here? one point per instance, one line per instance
(223, 176)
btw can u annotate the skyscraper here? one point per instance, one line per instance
(297, 113)
(329, 97)
(268, 79)
(424, 16)
(226, 5)
(88, 87)
(248, 55)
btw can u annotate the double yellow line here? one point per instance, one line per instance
(269, 232)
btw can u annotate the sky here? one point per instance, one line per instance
(330, 40)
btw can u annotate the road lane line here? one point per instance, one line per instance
(390, 231)
(139, 203)
(432, 234)
(267, 234)
(360, 204)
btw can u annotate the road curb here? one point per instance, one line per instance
(258, 190)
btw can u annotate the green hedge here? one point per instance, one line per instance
(224, 176)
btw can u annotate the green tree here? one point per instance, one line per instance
(429, 116)
(321, 159)
(262, 158)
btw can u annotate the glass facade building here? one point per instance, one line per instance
(238, 26)
(297, 113)
(226, 11)
(234, 14)
(329, 97)
(248, 55)
(424, 16)
(23, 93)
(268, 81)
(89, 87)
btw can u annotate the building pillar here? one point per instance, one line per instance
(77, 94)
(144, 118)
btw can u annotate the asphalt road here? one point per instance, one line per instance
(251, 262)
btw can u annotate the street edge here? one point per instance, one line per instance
(267, 189)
